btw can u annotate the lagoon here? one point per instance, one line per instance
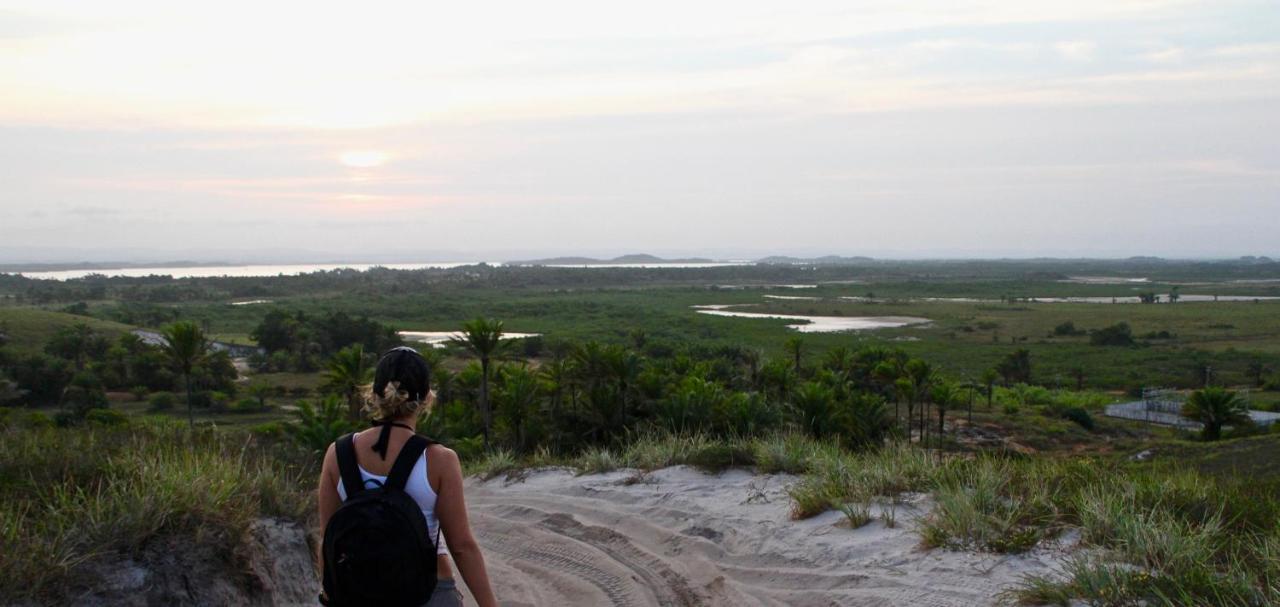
(439, 339)
(820, 324)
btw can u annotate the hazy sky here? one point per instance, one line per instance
(888, 128)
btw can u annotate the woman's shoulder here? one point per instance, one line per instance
(438, 451)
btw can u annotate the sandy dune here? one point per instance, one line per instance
(681, 537)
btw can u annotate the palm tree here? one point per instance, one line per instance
(864, 419)
(988, 379)
(624, 368)
(260, 391)
(944, 396)
(482, 338)
(518, 401)
(186, 346)
(1257, 370)
(1215, 407)
(347, 370)
(839, 359)
(902, 387)
(921, 376)
(1078, 373)
(555, 376)
(795, 347)
(812, 403)
(886, 374)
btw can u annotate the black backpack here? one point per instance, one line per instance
(377, 546)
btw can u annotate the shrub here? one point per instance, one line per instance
(1118, 334)
(161, 401)
(139, 393)
(269, 430)
(37, 419)
(107, 417)
(318, 424)
(468, 448)
(246, 405)
(217, 402)
(1066, 329)
(1079, 416)
(66, 419)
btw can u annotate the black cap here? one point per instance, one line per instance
(405, 365)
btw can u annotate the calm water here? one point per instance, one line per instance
(1164, 298)
(240, 271)
(820, 324)
(437, 339)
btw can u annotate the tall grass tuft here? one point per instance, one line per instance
(73, 496)
(493, 464)
(597, 461)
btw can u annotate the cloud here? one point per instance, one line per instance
(1169, 54)
(92, 211)
(1077, 50)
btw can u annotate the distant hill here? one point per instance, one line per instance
(636, 258)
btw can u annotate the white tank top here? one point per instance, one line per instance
(418, 488)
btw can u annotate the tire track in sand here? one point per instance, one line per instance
(649, 575)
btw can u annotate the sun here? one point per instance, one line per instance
(363, 159)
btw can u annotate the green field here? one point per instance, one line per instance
(29, 328)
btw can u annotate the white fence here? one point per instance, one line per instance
(1164, 406)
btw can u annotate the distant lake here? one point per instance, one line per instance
(1124, 299)
(241, 271)
(1164, 298)
(438, 339)
(821, 324)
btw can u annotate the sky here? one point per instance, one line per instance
(737, 128)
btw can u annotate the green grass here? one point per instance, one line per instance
(71, 498)
(30, 328)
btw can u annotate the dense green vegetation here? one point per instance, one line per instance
(994, 406)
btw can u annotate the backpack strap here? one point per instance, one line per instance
(408, 458)
(345, 449)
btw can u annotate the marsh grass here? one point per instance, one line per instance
(858, 513)
(597, 460)
(493, 464)
(70, 497)
(1159, 535)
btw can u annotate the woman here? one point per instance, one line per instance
(399, 395)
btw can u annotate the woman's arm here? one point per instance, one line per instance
(451, 509)
(327, 498)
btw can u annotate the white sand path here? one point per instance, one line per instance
(681, 537)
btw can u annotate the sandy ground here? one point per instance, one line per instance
(681, 537)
